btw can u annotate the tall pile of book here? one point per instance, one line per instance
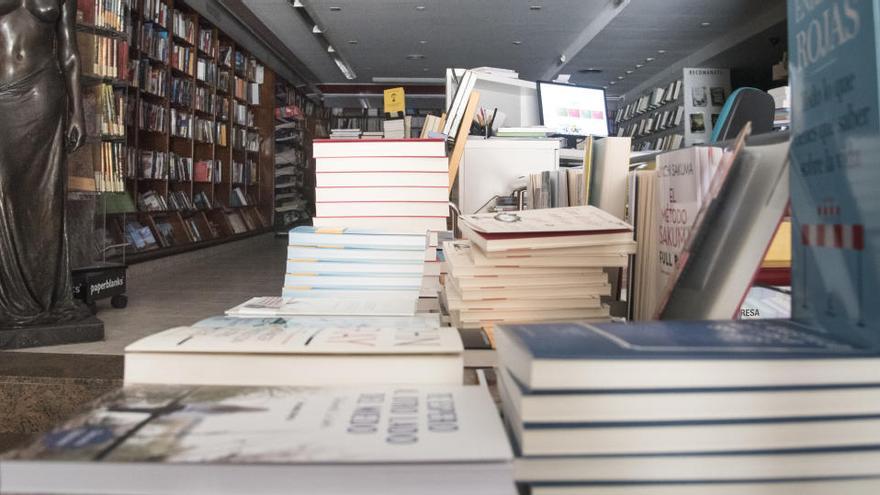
(714, 407)
(530, 266)
(354, 263)
(394, 186)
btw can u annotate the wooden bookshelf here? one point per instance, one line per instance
(182, 110)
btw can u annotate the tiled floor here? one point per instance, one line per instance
(167, 293)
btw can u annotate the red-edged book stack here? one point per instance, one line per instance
(393, 185)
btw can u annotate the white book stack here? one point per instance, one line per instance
(299, 351)
(345, 134)
(388, 185)
(342, 264)
(538, 265)
(182, 440)
(394, 128)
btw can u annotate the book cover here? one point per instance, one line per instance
(835, 135)
(355, 238)
(263, 307)
(281, 425)
(690, 340)
(318, 335)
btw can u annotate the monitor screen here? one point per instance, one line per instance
(573, 110)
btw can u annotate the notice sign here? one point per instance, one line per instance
(395, 100)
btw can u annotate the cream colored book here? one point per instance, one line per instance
(551, 228)
(306, 351)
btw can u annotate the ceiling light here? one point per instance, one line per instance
(352, 42)
(330, 49)
(605, 87)
(534, 7)
(347, 71)
(335, 9)
(425, 69)
(420, 7)
(620, 78)
(705, 24)
(629, 72)
(422, 42)
(415, 56)
(612, 83)
(316, 29)
(661, 52)
(649, 59)
(639, 66)
(517, 42)
(297, 4)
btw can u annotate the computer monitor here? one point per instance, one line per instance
(570, 110)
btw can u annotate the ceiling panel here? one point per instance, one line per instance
(449, 33)
(376, 36)
(667, 31)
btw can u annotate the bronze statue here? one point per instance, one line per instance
(41, 119)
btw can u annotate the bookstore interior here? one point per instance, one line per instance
(579, 247)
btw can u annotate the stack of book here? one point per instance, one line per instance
(688, 407)
(388, 185)
(529, 266)
(345, 134)
(299, 351)
(394, 128)
(354, 263)
(371, 440)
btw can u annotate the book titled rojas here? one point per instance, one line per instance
(178, 439)
(835, 134)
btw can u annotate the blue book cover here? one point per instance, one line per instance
(835, 174)
(744, 339)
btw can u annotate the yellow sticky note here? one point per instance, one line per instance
(395, 100)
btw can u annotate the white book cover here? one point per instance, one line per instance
(382, 179)
(315, 254)
(373, 194)
(360, 269)
(331, 293)
(382, 164)
(319, 322)
(263, 307)
(322, 148)
(383, 209)
(315, 336)
(573, 219)
(410, 425)
(354, 281)
(355, 238)
(391, 224)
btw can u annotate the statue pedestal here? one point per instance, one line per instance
(90, 329)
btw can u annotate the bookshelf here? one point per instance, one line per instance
(681, 113)
(295, 119)
(194, 148)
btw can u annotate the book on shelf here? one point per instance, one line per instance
(103, 14)
(102, 57)
(429, 439)
(305, 351)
